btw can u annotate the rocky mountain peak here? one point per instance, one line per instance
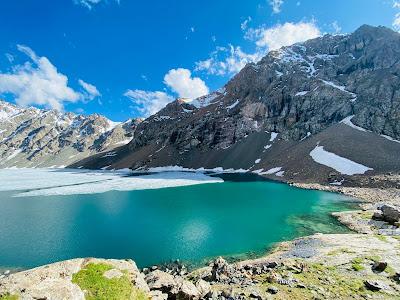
(32, 137)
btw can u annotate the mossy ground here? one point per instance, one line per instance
(9, 297)
(328, 282)
(97, 287)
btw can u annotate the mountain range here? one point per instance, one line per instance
(326, 110)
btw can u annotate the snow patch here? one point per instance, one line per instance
(340, 164)
(258, 161)
(233, 105)
(272, 171)
(274, 135)
(303, 93)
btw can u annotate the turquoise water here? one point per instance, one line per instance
(193, 224)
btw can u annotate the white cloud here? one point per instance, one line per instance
(147, 102)
(91, 91)
(38, 82)
(283, 35)
(226, 61)
(230, 60)
(245, 23)
(276, 6)
(181, 81)
(90, 3)
(396, 21)
(336, 27)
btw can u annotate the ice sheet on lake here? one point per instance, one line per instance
(340, 164)
(43, 182)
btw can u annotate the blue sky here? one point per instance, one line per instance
(128, 58)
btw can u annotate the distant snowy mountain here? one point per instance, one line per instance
(318, 111)
(31, 137)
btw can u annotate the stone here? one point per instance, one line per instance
(255, 295)
(54, 281)
(374, 286)
(203, 287)
(378, 215)
(162, 281)
(113, 273)
(273, 290)
(220, 270)
(390, 213)
(158, 295)
(185, 290)
(379, 266)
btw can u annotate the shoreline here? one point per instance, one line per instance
(290, 269)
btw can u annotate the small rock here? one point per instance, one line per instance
(391, 213)
(374, 286)
(273, 290)
(158, 295)
(378, 215)
(301, 286)
(203, 287)
(186, 289)
(379, 266)
(158, 280)
(7, 272)
(396, 277)
(255, 295)
(113, 273)
(153, 268)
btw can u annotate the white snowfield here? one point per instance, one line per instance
(340, 164)
(46, 182)
(348, 122)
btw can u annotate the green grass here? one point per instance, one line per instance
(381, 238)
(343, 285)
(340, 251)
(97, 287)
(356, 264)
(9, 297)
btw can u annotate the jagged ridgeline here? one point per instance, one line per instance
(280, 117)
(339, 92)
(31, 137)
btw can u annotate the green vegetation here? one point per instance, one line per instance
(365, 215)
(390, 271)
(381, 238)
(340, 251)
(321, 280)
(356, 264)
(97, 287)
(9, 297)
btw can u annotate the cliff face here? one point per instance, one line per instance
(339, 91)
(31, 137)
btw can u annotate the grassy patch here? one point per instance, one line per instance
(390, 271)
(322, 281)
(97, 287)
(340, 251)
(381, 238)
(374, 258)
(365, 215)
(356, 264)
(9, 297)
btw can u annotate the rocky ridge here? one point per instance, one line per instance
(31, 137)
(339, 92)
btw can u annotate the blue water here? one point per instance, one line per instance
(193, 224)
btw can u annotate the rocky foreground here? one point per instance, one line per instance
(364, 265)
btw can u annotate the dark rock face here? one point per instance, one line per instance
(390, 213)
(298, 91)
